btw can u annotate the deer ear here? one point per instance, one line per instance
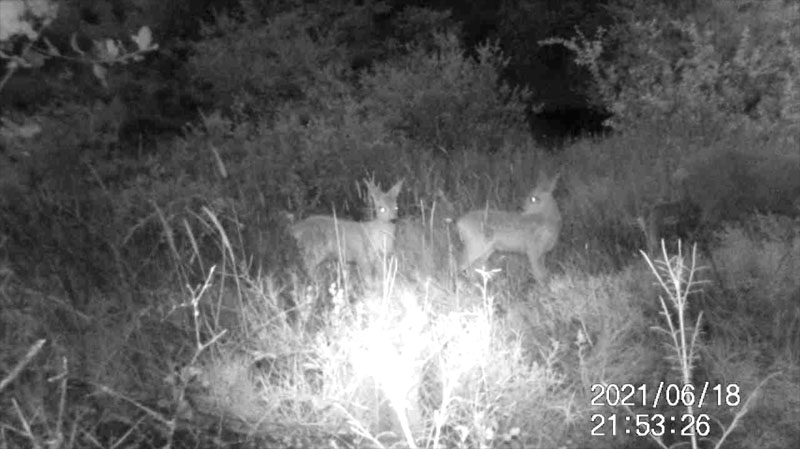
(547, 183)
(395, 190)
(554, 181)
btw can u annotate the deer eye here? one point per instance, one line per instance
(534, 199)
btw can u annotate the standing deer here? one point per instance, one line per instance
(365, 243)
(671, 220)
(533, 232)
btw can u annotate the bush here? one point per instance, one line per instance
(701, 78)
(443, 99)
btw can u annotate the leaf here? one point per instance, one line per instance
(111, 49)
(100, 73)
(66, 74)
(10, 129)
(73, 42)
(29, 130)
(51, 49)
(144, 38)
(33, 59)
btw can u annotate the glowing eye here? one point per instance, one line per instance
(534, 199)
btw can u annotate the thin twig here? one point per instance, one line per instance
(34, 349)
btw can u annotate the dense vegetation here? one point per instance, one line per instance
(151, 294)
